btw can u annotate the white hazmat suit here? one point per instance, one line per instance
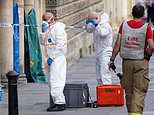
(103, 49)
(55, 41)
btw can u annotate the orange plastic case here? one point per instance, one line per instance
(110, 95)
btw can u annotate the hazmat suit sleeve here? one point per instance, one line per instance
(42, 38)
(61, 40)
(103, 30)
(43, 33)
(104, 27)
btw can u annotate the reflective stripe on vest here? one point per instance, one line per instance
(133, 41)
(135, 114)
(49, 44)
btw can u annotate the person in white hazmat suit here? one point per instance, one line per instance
(54, 38)
(102, 35)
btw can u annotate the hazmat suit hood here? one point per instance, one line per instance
(104, 18)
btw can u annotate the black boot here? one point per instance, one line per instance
(49, 108)
(57, 107)
(51, 104)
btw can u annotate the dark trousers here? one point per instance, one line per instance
(135, 81)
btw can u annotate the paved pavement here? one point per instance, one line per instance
(34, 98)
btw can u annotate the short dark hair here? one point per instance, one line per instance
(138, 11)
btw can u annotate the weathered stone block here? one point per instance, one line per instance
(71, 8)
(55, 3)
(79, 46)
(79, 19)
(74, 12)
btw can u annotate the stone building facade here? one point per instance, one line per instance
(70, 12)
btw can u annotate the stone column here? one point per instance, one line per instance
(21, 41)
(124, 9)
(29, 4)
(120, 10)
(39, 6)
(40, 9)
(37, 11)
(6, 38)
(129, 8)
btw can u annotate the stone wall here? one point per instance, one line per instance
(6, 38)
(74, 12)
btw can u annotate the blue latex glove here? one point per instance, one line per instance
(45, 25)
(49, 61)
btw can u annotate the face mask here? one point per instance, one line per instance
(94, 22)
(45, 24)
(90, 27)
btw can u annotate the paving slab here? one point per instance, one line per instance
(34, 97)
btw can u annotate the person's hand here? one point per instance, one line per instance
(110, 63)
(45, 25)
(148, 54)
(90, 27)
(112, 66)
(49, 61)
